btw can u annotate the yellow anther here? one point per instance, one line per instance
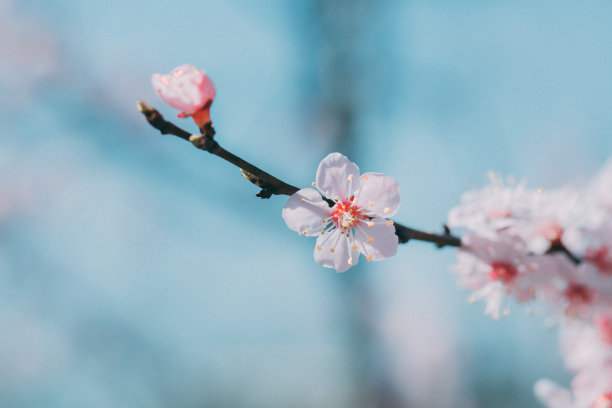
(319, 247)
(336, 198)
(368, 258)
(322, 232)
(304, 233)
(324, 221)
(323, 205)
(314, 184)
(354, 246)
(371, 203)
(370, 239)
(350, 261)
(350, 177)
(387, 210)
(332, 249)
(303, 200)
(364, 177)
(389, 223)
(370, 224)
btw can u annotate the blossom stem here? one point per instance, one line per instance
(269, 184)
(559, 247)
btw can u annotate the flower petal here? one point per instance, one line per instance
(551, 395)
(341, 258)
(379, 241)
(379, 194)
(305, 212)
(186, 88)
(334, 174)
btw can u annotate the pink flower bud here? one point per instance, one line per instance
(187, 89)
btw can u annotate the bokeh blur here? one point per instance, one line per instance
(137, 271)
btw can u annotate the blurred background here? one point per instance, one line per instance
(137, 271)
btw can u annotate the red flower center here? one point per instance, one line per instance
(578, 294)
(346, 214)
(604, 401)
(601, 258)
(503, 271)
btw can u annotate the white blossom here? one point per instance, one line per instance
(355, 222)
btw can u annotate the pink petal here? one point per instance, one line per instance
(186, 88)
(333, 176)
(382, 240)
(379, 194)
(337, 259)
(306, 217)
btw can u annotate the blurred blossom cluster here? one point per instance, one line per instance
(554, 246)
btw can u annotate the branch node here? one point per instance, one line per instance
(208, 130)
(196, 140)
(265, 193)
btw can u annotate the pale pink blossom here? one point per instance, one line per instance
(553, 395)
(577, 290)
(583, 345)
(598, 243)
(591, 388)
(552, 213)
(187, 89)
(556, 246)
(493, 208)
(496, 269)
(539, 217)
(355, 223)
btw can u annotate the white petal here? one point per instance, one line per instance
(334, 174)
(383, 241)
(337, 259)
(306, 217)
(379, 194)
(551, 395)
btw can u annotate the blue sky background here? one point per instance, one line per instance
(138, 271)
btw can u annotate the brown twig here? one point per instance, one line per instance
(269, 184)
(558, 247)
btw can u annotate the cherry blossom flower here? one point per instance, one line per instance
(554, 245)
(494, 269)
(187, 89)
(584, 346)
(492, 208)
(539, 217)
(356, 220)
(577, 290)
(590, 389)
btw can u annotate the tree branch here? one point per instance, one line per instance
(269, 184)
